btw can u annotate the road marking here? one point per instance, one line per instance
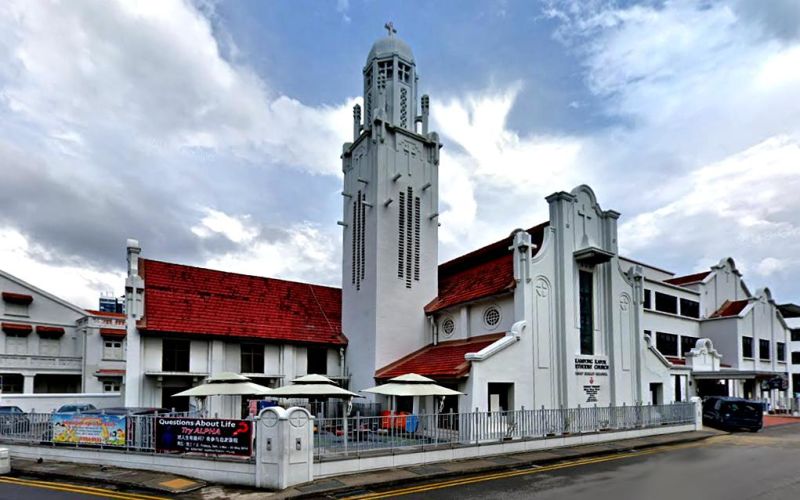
(513, 473)
(86, 490)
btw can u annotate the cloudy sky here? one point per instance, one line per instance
(211, 131)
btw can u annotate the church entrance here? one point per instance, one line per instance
(501, 396)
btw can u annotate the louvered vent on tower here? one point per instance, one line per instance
(403, 107)
(401, 234)
(359, 251)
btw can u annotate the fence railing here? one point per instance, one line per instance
(121, 432)
(357, 435)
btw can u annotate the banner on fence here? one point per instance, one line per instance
(105, 430)
(204, 435)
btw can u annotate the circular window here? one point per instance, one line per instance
(491, 316)
(448, 327)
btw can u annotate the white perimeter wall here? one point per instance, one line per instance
(46, 403)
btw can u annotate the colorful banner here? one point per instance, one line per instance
(204, 435)
(105, 430)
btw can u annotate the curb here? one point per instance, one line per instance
(17, 472)
(479, 470)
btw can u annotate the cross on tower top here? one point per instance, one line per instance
(390, 28)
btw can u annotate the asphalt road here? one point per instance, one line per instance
(765, 466)
(35, 489)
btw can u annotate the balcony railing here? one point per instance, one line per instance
(29, 361)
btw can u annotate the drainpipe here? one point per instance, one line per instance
(341, 364)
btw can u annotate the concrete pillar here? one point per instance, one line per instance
(134, 309)
(698, 413)
(284, 447)
(27, 385)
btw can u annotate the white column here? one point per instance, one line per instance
(27, 385)
(134, 309)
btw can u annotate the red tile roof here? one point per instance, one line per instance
(481, 273)
(676, 361)
(105, 313)
(193, 300)
(442, 361)
(688, 279)
(17, 298)
(112, 332)
(730, 308)
(16, 328)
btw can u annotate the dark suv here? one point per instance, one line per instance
(731, 414)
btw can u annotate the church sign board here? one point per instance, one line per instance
(592, 376)
(204, 435)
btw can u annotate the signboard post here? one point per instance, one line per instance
(204, 435)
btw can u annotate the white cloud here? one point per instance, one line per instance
(493, 179)
(235, 229)
(153, 71)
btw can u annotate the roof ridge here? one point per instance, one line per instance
(318, 285)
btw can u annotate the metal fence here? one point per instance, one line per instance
(358, 435)
(43, 429)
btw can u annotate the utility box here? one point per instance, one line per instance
(284, 447)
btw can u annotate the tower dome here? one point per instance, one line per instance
(389, 46)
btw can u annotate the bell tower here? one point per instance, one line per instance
(390, 224)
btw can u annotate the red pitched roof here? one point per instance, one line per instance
(730, 308)
(676, 361)
(444, 360)
(193, 300)
(481, 273)
(105, 313)
(688, 279)
(17, 298)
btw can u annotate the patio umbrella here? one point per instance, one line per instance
(412, 384)
(314, 386)
(226, 384)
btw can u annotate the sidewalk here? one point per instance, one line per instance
(143, 480)
(406, 476)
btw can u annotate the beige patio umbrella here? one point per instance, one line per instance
(226, 384)
(412, 384)
(312, 386)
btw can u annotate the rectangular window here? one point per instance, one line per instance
(763, 350)
(747, 347)
(252, 358)
(48, 347)
(111, 386)
(796, 358)
(317, 361)
(16, 344)
(175, 355)
(586, 310)
(667, 343)
(687, 344)
(796, 335)
(781, 351)
(690, 308)
(666, 303)
(647, 303)
(112, 349)
(11, 383)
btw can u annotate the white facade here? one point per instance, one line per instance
(46, 358)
